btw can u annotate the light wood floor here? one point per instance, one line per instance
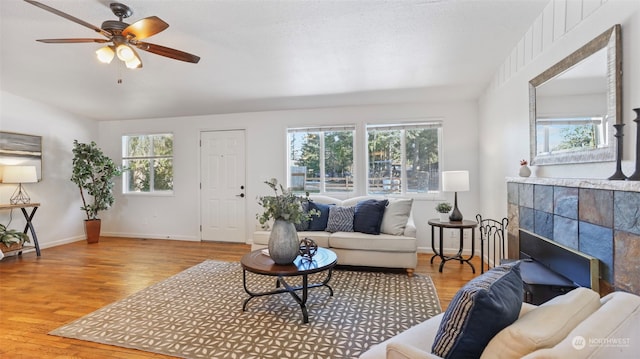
(38, 295)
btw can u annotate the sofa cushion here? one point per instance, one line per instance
(419, 336)
(319, 223)
(396, 215)
(478, 311)
(612, 331)
(368, 216)
(261, 238)
(340, 219)
(318, 198)
(372, 242)
(544, 326)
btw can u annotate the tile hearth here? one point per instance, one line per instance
(597, 217)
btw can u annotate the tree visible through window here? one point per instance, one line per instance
(149, 159)
(570, 134)
(321, 159)
(403, 158)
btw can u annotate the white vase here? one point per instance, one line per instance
(284, 245)
(444, 217)
(525, 171)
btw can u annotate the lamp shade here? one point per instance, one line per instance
(19, 174)
(105, 54)
(124, 52)
(455, 181)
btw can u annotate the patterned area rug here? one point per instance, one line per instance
(198, 314)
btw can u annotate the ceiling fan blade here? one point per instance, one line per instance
(167, 52)
(144, 28)
(69, 17)
(72, 41)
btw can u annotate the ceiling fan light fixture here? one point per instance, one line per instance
(133, 63)
(125, 53)
(105, 54)
(123, 37)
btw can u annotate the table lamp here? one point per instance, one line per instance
(20, 175)
(455, 181)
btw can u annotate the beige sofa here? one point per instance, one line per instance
(578, 324)
(394, 247)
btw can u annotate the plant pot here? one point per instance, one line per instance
(92, 230)
(284, 245)
(13, 247)
(444, 217)
(525, 171)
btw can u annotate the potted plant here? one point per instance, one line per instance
(443, 209)
(93, 172)
(11, 239)
(286, 209)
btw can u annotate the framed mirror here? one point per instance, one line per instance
(574, 104)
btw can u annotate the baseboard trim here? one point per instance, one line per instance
(150, 236)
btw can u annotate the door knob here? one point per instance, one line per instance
(241, 195)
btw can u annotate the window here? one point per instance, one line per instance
(570, 134)
(321, 159)
(403, 158)
(149, 160)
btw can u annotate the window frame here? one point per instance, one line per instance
(322, 130)
(152, 158)
(434, 123)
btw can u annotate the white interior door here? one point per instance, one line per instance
(222, 168)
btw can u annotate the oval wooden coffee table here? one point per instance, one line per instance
(259, 263)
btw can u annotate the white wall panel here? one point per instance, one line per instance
(59, 219)
(547, 26)
(574, 14)
(589, 6)
(536, 37)
(559, 18)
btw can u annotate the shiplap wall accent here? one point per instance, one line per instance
(557, 18)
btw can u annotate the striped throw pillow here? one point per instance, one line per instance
(483, 307)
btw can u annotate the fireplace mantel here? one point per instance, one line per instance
(597, 217)
(632, 186)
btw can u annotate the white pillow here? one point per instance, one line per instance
(544, 326)
(396, 216)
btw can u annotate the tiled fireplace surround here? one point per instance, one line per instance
(597, 217)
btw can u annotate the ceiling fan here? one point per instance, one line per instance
(122, 38)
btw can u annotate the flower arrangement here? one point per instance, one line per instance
(443, 207)
(284, 204)
(523, 162)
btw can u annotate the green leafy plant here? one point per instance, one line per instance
(93, 172)
(11, 236)
(284, 204)
(443, 207)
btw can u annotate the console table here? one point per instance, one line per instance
(462, 225)
(28, 217)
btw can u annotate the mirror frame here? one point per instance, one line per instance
(611, 40)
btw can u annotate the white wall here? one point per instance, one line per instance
(563, 27)
(59, 219)
(179, 216)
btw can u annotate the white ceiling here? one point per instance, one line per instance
(261, 55)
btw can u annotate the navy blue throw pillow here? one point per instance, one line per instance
(319, 223)
(368, 216)
(482, 308)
